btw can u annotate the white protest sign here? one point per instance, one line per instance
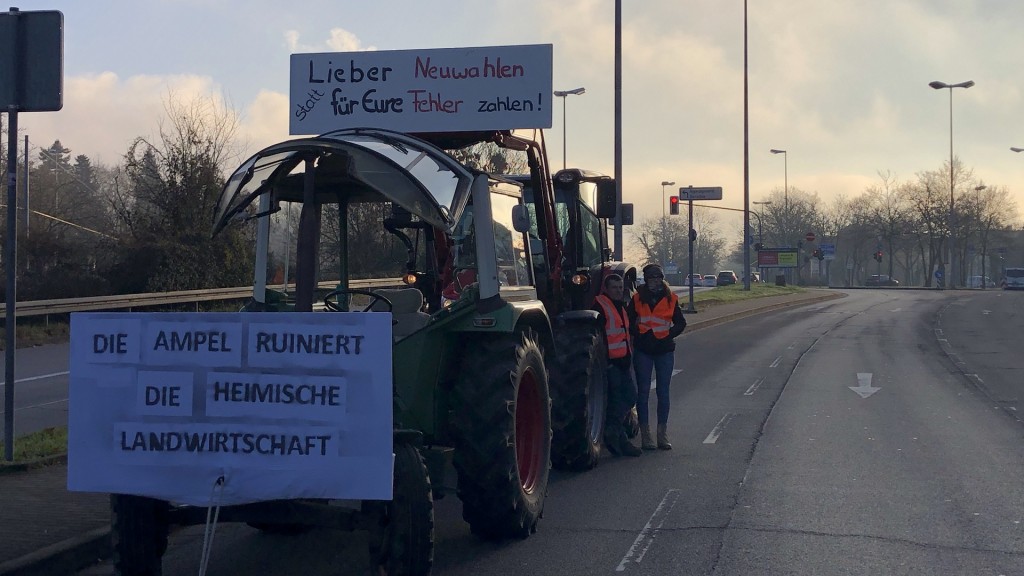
(438, 90)
(287, 405)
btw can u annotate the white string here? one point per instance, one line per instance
(213, 511)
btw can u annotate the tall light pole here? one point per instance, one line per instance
(746, 160)
(785, 195)
(760, 237)
(760, 232)
(563, 94)
(977, 201)
(939, 86)
(664, 223)
(663, 184)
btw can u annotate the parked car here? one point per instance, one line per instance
(710, 281)
(696, 279)
(881, 280)
(726, 277)
(755, 277)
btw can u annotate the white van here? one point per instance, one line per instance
(1013, 279)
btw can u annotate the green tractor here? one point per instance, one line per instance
(498, 362)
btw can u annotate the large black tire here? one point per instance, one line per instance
(579, 397)
(403, 543)
(138, 535)
(502, 429)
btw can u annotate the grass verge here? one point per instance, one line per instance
(736, 293)
(37, 445)
(28, 335)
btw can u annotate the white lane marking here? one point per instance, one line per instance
(986, 312)
(895, 309)
(43, 405)
(753, 387)
(775, 364)
(864, 387)
(31, 378)
(716, 432)
(654, 381)
(644, 540)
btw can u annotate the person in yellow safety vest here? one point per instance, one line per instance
(611, 309)
(655, 319)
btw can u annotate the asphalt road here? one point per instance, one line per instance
(40, 388)
(874, 434)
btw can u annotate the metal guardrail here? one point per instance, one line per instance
(131, 301)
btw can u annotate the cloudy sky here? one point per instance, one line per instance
(842, 85)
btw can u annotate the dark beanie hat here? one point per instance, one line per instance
(652, 269)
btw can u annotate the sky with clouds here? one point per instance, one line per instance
(842, 85)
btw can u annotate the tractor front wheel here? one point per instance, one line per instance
(402, 543)
(579, 397)
(138, 534)
(502, 429)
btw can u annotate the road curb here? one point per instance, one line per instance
(10, 468)
(65, 557)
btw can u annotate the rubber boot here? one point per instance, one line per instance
(646, 440)
(663, 442)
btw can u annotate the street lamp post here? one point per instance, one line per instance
(663, 184)
(939, 86)
(563, 94)
(977, 201)
(760, 235)
(785, 196)
(664, 223)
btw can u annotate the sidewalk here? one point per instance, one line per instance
(46, 530)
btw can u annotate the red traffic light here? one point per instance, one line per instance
(673, 205)
(673, 199)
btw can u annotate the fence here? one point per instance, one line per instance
(156, 299)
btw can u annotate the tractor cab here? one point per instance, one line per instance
(368, 219)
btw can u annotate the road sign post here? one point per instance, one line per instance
(31, 80)
(690, 194)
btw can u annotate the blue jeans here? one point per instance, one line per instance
(661, 365)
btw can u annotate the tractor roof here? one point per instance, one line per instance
(354, 164)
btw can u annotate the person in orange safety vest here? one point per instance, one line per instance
(655, 319)
(611, 310)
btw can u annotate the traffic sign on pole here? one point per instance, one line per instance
(810, 237)
(708, 193)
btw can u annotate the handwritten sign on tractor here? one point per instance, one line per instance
(439, 90)
(285, 405)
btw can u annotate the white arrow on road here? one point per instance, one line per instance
(864, 387)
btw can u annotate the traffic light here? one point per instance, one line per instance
(757, 246)
(816, 253)
(693, 235)
(878, 256)
(673, 205)
(821, 254)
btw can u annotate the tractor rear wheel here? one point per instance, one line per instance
(138, 534)
(579, 396)
(502, 428)
(402, 544)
